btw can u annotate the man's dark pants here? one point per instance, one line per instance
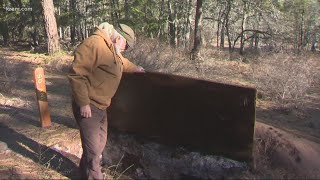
(93, 133)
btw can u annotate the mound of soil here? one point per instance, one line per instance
(286, 152)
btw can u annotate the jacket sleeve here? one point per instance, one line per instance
(84, 60)
(128, 66)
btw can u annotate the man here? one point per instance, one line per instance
(94, 77)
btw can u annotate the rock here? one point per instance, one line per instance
(3, 147)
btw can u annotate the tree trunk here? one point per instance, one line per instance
(72, 10)
(34, 33)
(115, 14)
(81, 35)
(118, 9)
(256, 35)
(222, 28)
(218, 27)
(4, 25)
(172, 26)
(229, 3)
(126, 9)
(73, 34)
(197, 31)
(301, 44)
(185, 35)
(217, 33)
(86, 21)
(160, 20)
(93, 14)
(60, 27)
(175, 23)
(5, 32)
(188, 25)
(297, 31)
(50, 26)
(222, 36)
(20, 26)
(243, 25)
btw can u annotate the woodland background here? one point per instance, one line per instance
(189, 24)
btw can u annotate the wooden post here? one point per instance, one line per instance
(41, 92)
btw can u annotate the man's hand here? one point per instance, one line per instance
(140, 69)
(85, 111)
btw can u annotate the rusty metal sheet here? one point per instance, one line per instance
(199, 115)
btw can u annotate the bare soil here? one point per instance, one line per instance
(287, 141)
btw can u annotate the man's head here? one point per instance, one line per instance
(119, 42)
(122, 35)
(126, 32)
(123, 38)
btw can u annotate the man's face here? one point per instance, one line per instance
(121, 44)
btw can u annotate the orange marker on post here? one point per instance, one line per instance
(41, 92)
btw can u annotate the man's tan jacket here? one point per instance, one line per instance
(96, 71)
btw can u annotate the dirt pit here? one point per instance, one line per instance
(144, 159)
(277, 154)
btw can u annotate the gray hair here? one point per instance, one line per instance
(107, 28)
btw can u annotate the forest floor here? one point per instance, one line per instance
(286, 142)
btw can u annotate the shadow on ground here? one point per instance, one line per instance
(39, 153)
(32, 117)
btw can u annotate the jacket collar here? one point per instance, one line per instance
(101, 33)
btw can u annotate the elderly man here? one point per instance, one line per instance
(94, 77)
